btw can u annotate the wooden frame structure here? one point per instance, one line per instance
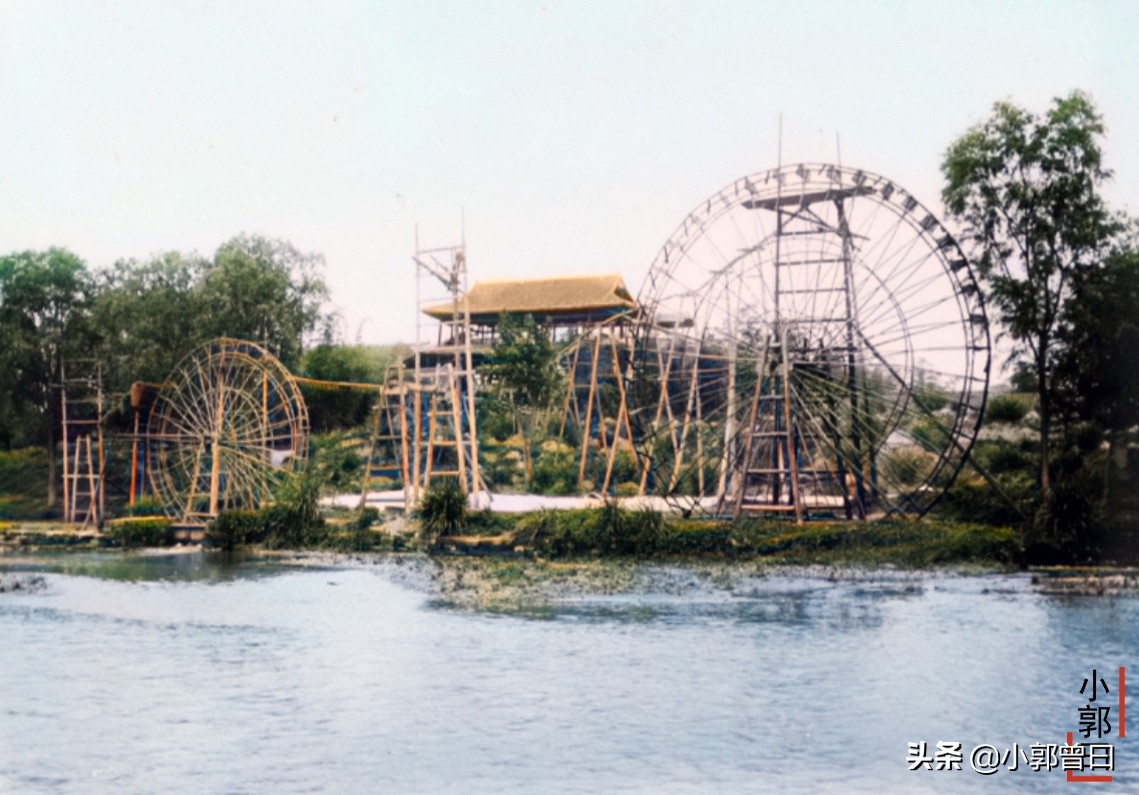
(84, 456)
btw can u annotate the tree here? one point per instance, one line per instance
(265, 291)
(44, 296)
(524, 366)
(331, 408)
(1098, 373)
(147, 315)
(1026, 189)
(150, 313)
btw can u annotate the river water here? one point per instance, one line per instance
(178, 674)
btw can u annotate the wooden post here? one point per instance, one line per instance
(457, 418)
(570, 404)
(432, 411)
(729, 424)
(101, 451)
(688, 412)
(131, 497)
(68, 514)
(403, 438)
(792, 458)
(585, 428)
(749, 442)
(215, 453)
(417, 393)
(92, 485)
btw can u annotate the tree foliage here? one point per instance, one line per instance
(331, 409)
(1099, 368)
(137, 318)
(523, 369)
(151, 313)
(1026, 189)
(524, 362)
(43, 301)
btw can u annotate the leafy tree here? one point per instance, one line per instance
(1024, 377)
(1026, 189)
(524, 368)
(43, 298)
(265, 291)
(1099, 370)
(147, 315)
(150, 313)
(331, 408)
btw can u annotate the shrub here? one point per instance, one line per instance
(233, 529)
(143, 531)
(627, 489)
(1007, 409)
(443, 509)
(146, 506)
(555, 472)
(502, 468)
(907, 466)
(487, 522)
(365, 518)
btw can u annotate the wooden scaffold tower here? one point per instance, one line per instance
(596, 404)
(818, 348)
(443, 419)
(81, 398)
(388, 453)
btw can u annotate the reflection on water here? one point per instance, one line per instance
(187, 673)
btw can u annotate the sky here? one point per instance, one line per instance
(556, 138)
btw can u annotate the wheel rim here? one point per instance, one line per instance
(865, 321)
(227, 423)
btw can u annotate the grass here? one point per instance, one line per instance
(613, 532)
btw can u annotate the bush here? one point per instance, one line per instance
(1007, 409)
(365, 518)
(1068, 521)
(487, 522)
(623, 532)
(233, 529)
(555, 472)
(502, 468)
(143, 531)
(356, 535)
(496, 419)
(443, 509)
(146, 506)
(907, 466)
(561, 534)
(610, 530)
(627, 489)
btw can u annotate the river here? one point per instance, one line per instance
(181, 673)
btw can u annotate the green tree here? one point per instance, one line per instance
(1099, 369)
(44, 296)
(265, 291)
(150, 313)
(1026, 189)
(524, 369)
(147, 315)
(331, 408)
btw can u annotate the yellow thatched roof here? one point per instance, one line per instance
(564, 295)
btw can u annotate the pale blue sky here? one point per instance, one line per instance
(574, 136)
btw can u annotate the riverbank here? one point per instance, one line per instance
(533, 585)
(614, 533)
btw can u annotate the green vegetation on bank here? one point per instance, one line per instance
(612, 531)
